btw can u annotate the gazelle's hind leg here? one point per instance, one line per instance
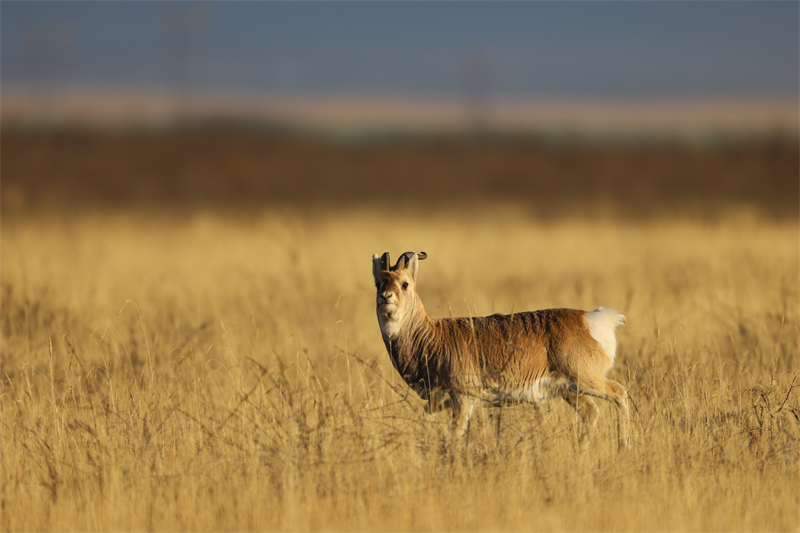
(588, 412)
(620, 398)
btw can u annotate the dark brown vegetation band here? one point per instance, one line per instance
(243, 168)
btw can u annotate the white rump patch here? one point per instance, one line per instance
(603, 323)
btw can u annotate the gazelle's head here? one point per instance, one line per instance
(396, 289)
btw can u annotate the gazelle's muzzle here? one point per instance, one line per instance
(387, 304)
(387, 297)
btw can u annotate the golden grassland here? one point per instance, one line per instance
(201, 371)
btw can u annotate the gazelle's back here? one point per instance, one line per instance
(515, 350)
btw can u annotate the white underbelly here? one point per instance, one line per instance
(539, 391)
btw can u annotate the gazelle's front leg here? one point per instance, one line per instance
(463, 405)
(438, 400)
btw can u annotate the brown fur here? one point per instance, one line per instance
(493, 359)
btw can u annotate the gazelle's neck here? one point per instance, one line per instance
(390, 327)
(403, 337)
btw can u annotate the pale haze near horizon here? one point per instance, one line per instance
(484, 52)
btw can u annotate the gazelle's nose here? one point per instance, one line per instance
(386, 295)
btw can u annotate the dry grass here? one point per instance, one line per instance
(207, 372)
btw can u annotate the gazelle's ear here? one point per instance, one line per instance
(376, 265)
(410, 261)
(413, 265)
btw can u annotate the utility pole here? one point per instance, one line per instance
(478, 70)
(48, 40)
(184, 26)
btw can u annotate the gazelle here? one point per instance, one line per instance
(527, 357)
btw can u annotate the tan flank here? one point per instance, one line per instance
(527, 357)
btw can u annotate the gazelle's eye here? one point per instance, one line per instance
(377, 285)
(405, 285)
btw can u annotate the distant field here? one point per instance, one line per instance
(239, 168)
(189, 339)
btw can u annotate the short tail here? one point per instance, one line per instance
(602, 324)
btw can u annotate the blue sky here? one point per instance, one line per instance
(581, 49)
